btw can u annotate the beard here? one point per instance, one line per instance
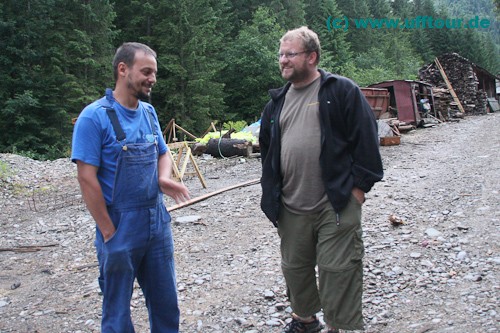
(142, 95)
(295, 74)
(138, 90)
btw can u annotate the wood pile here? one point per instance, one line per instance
(464, 81)
(444, 105)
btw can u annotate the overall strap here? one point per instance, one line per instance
(106, 103)
(151, 120)
(120, 134)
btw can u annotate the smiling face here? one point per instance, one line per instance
(142, 75)
(296, 65)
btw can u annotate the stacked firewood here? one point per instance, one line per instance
(445, 106)
(463, 79)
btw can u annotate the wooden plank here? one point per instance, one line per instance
(27, 248)
(448, 84)
(208, 195)
(185, 162)
(177, 145)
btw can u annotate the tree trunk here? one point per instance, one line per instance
(228, 147)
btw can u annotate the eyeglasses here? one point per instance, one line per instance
(290, 55)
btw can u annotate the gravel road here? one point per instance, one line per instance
(431, 231)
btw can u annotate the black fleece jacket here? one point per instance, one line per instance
(349, 156)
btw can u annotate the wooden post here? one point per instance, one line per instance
(180, 170)
(169, 128)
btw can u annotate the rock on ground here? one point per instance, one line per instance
(431, 231)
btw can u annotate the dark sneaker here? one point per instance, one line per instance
(296, 326)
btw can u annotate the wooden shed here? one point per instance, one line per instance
(409, 100)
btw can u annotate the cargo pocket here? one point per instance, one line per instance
(359, 249)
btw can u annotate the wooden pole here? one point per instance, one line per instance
(208, 195)
(26, 248)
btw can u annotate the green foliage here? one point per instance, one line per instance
(52, 59)
(392, 61)
(216, 59)
(360, 39)
(252, 67)
(481, 46)
(188, 38)
(401, 8)
(335, 50)
(236, 135)
(236, 125)
(5, 171)
(289, 14)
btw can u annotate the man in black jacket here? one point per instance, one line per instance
(320, 155)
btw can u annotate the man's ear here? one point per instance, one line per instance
(122, 69)
(313, 56)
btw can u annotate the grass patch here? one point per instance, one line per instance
(5, 171)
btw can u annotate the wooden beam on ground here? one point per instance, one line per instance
(208, 195)
(26, 248)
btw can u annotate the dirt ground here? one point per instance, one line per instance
(435, 270)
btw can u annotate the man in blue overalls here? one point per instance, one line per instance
(123, 171)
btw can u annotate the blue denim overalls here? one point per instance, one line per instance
(142, 246)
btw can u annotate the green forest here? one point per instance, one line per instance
(216, 58)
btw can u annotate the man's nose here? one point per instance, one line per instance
(283, 59)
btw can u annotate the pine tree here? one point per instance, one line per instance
(189, 42)
(335, 55)
(252, 66)
(290, 14)
(359, 39)
(379, 8)
(401, 8)
(52, 61)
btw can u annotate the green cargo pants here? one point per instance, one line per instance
(334, 244)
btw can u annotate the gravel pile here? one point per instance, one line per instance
(431, 231)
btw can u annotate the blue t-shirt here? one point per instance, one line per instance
(94, 140)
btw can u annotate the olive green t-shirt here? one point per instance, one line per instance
(303, 191)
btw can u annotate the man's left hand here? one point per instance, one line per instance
(359, 195)
(175, 190)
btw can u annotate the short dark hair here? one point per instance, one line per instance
(309, 39)
(126, 53)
